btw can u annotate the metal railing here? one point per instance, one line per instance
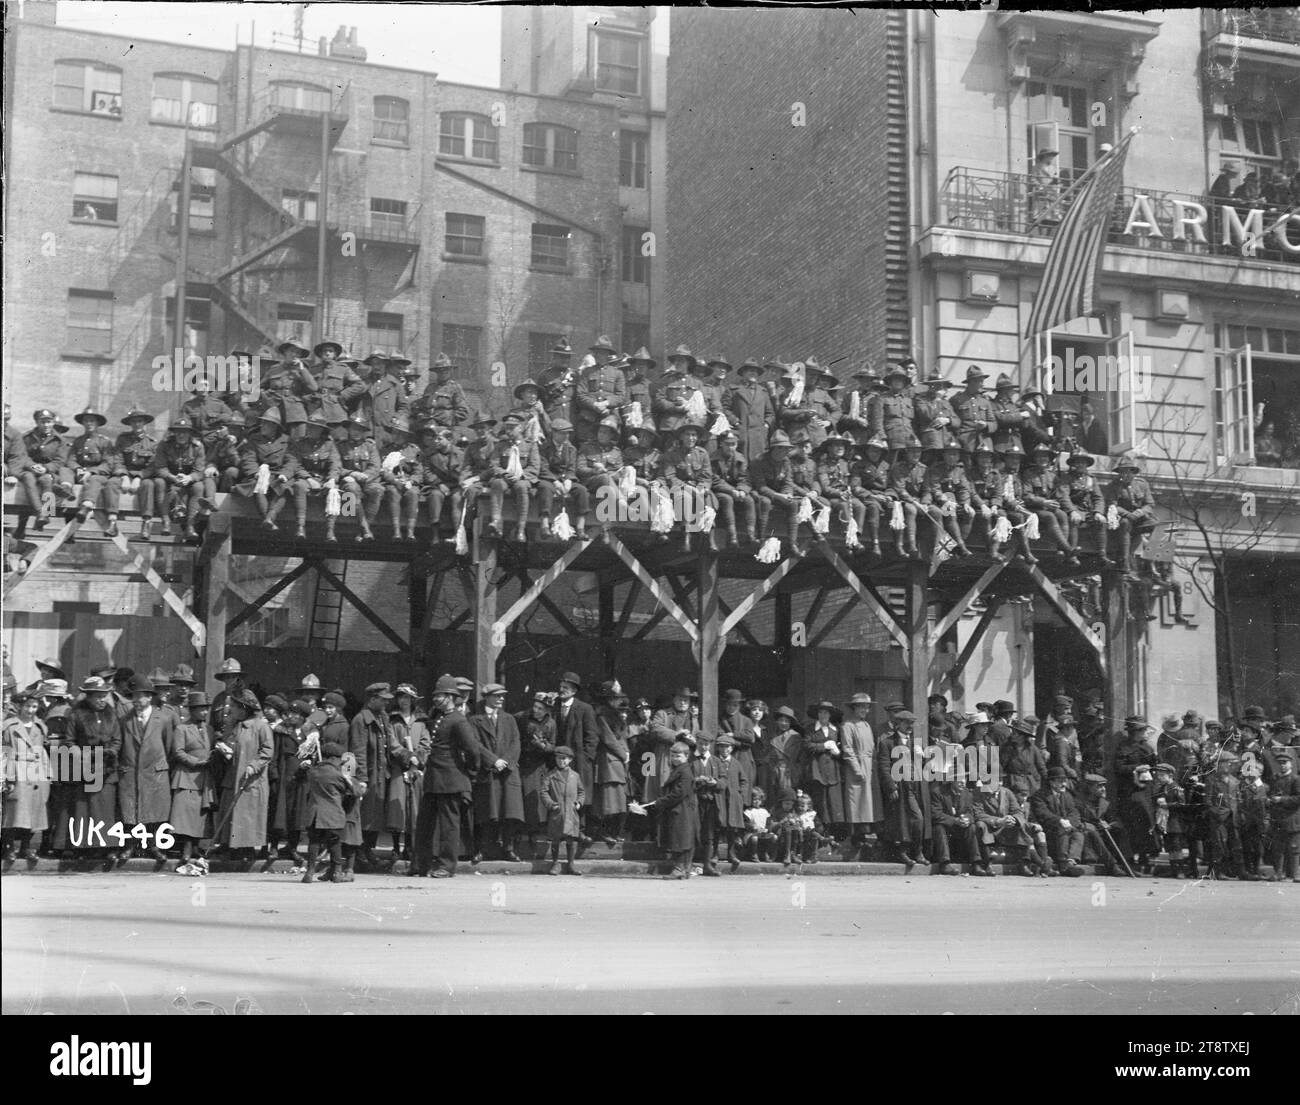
(1016, 203)
(1272, 24)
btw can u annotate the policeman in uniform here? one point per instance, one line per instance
(978, 419)
(731, 488)
(360, 474)
(96, 463)
(135, 449)
(179, 463)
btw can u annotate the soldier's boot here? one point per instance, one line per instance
(313, 850)
(395, 513)
(794, 531)
(1026, 553)
(412, 516)
(1051, 526)
(911, 551)
(580, 524)
(521, 504)
(268, 521)
(1125, 549)
(300, 512)
(954, 531)
(262, 505)
(747, 510)
(191, 513)
(329, 527)
(496, 511)
(995, 549)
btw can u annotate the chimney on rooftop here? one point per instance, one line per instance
(344, 45)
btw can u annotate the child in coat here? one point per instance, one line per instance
(562, 797)
(759, 839)
(326, 791)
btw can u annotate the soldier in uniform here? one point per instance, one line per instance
(1037, 428)
(1007, 413)
(670, 403)
(135, 450)
(975, 409)
(477, 460)
(936, 421)
(220, 455)
(772, 476)
(833, 481)
(528, 405)
(713, 386)
(48, 462)
(512, 466)
(641, 455)
(1131, 496)
(1039, 489)
(640, 403)
(897, 410)
(265, 464)
(443, 401)
(601, 461)
(732, 490)
(339, 386)
(1077, 493)
(558, 474)
(687, 471)
(318, 472)
(1013, 497)
(601, 391)
(950, 493)
(819, 397)
(860, 406)
(441, 462)
(180, 462)
(559, 382)
(96, 464)
(907, 483)
(869, 481)
(986, 497)
(288, 383)
(792, 416)
(360, 474)
(203, 408)
(751, 411)
(1221, 811)
(384, 401)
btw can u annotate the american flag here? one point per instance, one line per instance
(1069, 284)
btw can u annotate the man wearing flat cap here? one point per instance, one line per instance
(498, 793)
(369, 736)
(575, 726)
(906, 792)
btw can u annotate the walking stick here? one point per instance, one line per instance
(1110, 840)
(226, 817)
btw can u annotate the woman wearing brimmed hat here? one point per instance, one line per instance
(862, 802)
(821, 757)
(778, 766)
(613, 754)
(26, 779)
(96, 729)
(407, 750)
(191, 789)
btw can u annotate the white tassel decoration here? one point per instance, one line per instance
(1008, 488)
(696, 411)
(661, 509)
(896, 522)
(822, 520)
(514, 466)
(851, 534)
(462, 539)
(262, 484)
(627, 481)
(1112, 517)
(562, 527)
(392, 461)
(333, 503)
(1031, 527)
(855, 406)
(633, 419)
(805, 512)
(720, 426)
(770, 552)
(796, 392)
(708, 516)
(1001, 529)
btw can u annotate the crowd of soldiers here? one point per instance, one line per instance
(759, 450)
(251, 776)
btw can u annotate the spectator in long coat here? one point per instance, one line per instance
(563, 798)
(907, 799)
(26, 779)
(669, 724)
(246, 747)
(862, 801)
(740, 725)
(96, 729)
(821, 764)
(779, 770)
(752, 411)
(189, 755)
(612, 756)
(536, 747)
(575, 726)
(369, 736)
(498, 793)
(408, 748)
(678, 815)
(287, 784)
(1023, 765)
(731, 796)
(144, 790)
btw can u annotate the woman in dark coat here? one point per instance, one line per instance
(191, 791)
(679, 819)
(778, 767)
(612, 756)
(408, 748)
(536, 744)
(821, 765)
(286, 781)
(96, 729)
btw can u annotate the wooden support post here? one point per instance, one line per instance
(711, 640)
(1116, 657)
(216, 578)
(652, 585)
(605, 621)
(782, 620)
(1072, 617)
(489, 636)
(418, 598)
(919, 651)
(867, 595)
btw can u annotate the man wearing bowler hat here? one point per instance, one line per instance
(575, 725)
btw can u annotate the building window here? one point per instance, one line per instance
(1252, 143)
(299, 96)
(636, 268)
(90, 322)
(539, 352)
(636, 335)
(88, 86)
(293, 323)
(203, 201)
(547, 146)
(392, 119)
(1257, 396)
(550, 247)
(469, 136)
(465, 235)
(384, 331)
(198, 323)
(632, 147)
(179, 99)
(464, 345)
(301, 205)
(388, 216)
(618, 63)
(94, 198)
(1096, 398)
(1058, 119)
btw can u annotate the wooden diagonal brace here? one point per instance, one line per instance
(1063, 607)
(866, 596)
(534, 590)
(267, 595)
(652, 585)
(944, 624)
(977, 635)
(352, 597)
(44, 553)
(757, 595)
(198, 631)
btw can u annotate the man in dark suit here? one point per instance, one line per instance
(144, 787)
(454, 753)
(575, 725)
(368, 738)
(1091, 434)
(1053, 807)
(498, 794)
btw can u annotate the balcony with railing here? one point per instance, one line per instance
(1263, 35)
(1017, 204)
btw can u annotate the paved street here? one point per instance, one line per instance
(489, 944)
